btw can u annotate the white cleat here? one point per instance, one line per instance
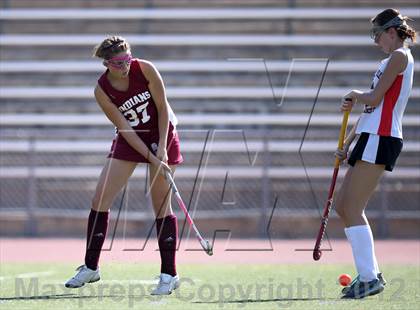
(84, 275)
(166, 285)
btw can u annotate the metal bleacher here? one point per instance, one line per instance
(242, 77)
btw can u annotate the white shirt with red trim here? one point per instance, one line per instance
(386, 119)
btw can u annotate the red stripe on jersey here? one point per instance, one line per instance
(390, 100)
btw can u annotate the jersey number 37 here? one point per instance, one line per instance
(132, 115)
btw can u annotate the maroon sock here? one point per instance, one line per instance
(96, 233)
(167, 231)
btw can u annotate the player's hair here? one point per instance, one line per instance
(404, 31)
(110, 47)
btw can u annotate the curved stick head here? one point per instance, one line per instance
(207, 247)
(317, 254)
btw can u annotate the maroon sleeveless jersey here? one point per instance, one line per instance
(139, 109)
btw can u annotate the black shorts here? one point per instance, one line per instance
(376, 150)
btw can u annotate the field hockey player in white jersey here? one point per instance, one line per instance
(379, 131)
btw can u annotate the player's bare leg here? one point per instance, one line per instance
(160, 191)
(113, 177)
(358, 185)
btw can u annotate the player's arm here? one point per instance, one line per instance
(157, 89)
(396, 64)
(115, 116)
(351, 135)
(341, 154)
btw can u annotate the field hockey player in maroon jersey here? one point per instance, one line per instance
(132, 95)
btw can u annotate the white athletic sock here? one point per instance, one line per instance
(361, 240)
(375, 262)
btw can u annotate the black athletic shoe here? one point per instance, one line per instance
(379, 275)
(361, 289)
(348, 287)
(381, 278)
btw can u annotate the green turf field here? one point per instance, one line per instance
(126, 286)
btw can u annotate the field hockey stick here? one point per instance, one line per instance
(205, 244)
(317, 251)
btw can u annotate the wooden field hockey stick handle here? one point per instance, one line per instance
(342, 135)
